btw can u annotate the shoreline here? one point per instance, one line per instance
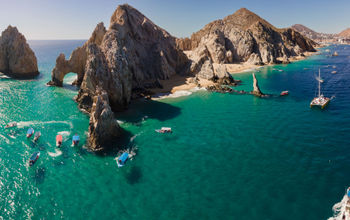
(178, 86)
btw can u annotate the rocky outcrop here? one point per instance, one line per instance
(242, 37)
(16, 57)
(103, 127)
(256, 90)
(77, 60)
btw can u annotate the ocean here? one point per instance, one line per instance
(230, 156)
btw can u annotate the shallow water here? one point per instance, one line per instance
(230, 156)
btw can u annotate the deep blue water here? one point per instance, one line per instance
(230, 156)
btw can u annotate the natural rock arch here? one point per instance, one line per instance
(77, 60)
(75, 64)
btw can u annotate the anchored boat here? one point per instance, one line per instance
(30, 132)
(58, 140)
(164, 130)
(35, 156)
(37, 135)
(11, 125)
(320, 100)
(75, 140)
(283, 93)
(121, 160)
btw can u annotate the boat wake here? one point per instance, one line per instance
(55, 154)
(23, 124)
(340, 210)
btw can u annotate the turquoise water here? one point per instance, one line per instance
(229, 157)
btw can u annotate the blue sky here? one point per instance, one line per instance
(76, 19)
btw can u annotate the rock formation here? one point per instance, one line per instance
(77, 60)
(16, 57)
(242, 37)
(103, 127)
(256, 90)
(133, 54)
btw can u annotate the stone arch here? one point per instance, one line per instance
(75, 64)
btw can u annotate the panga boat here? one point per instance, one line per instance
(11, 124)
(35, 156)
(122, 159)
(284, 93)
(334, 72)
(76, 140)
(30, 132)
(164, 130)
(320, 100)
(58, 140)
(37, 135)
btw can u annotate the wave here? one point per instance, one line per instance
(56, 153)
(340, 209)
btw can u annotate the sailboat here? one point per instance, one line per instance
(320, 100)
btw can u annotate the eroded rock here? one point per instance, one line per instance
(17, 59)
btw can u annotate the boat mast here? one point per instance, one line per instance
(319, 82)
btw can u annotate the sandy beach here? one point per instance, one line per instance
(184, 85)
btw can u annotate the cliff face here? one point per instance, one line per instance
(16, 57)
(238, 38)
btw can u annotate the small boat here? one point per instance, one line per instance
(30, 132)
(283, 93)
(164, 130)
(335, 54)
(334, 72)
(121, 160)
(11, 125)
(58, 140)
(320, 100)
(76, 140)
(35, 156)
(37, 135)
(334, 67)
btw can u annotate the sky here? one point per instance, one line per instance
(76, 19)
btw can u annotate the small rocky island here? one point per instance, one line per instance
(133, 55)
(17, 59)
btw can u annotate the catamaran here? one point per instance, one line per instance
(320, 100)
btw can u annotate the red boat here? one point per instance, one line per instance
(284, 93)
(58, 140)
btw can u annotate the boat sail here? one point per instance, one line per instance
(320, 100)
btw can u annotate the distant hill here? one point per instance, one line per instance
(313, 35)
(345, 33)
